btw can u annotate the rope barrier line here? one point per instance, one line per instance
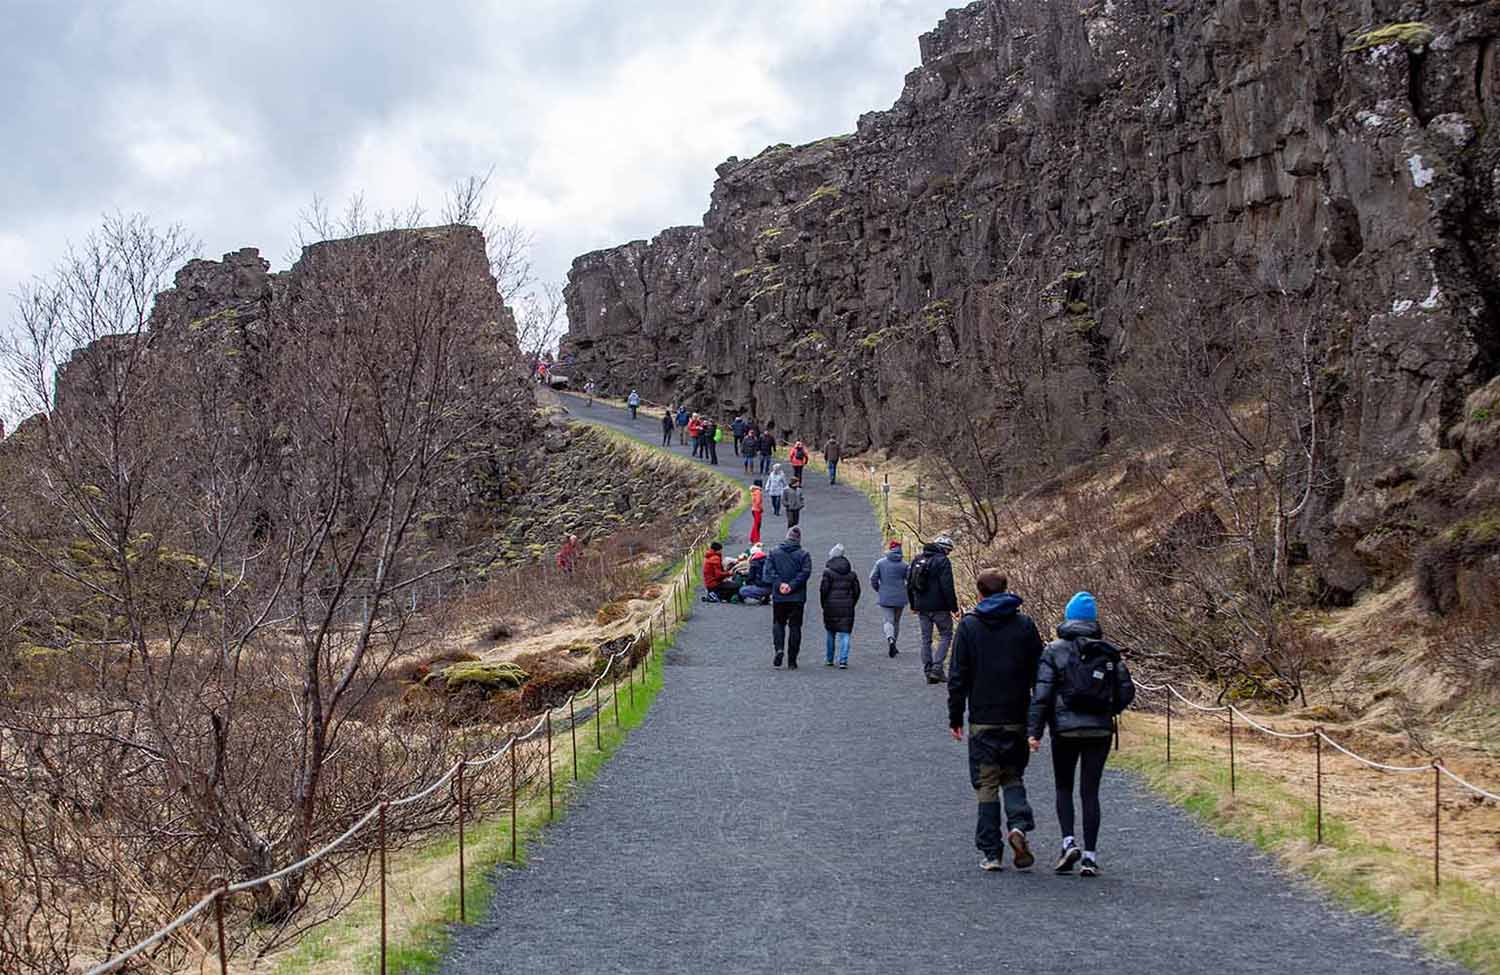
(376, 811)
(1320, 734)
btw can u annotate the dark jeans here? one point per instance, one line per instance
(793, 516)
(765, 464)
(786, 616)
(737, 441)
(833, 472)
(713, 453)
(666, 436)
(1067, 755)
(632, 411)
(997, 764)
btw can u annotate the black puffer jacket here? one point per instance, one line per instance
(839, 594)
(995, 654)
(1049, 709)
(939, 596)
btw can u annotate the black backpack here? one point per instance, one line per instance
(1090, 681)
(918, 576)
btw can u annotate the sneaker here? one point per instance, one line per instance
(711, 597)
(843, 665)
(1020, 849)
(1090, 867)
(933, 677)
(991, 863)
(776, 662)
(891, 646)
(828, 663)
(1069, 858)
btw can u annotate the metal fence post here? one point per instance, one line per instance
(514, 847)
(463, 911)
(1231, 751)
(1318, 778)
(551, 792)
(382, 888)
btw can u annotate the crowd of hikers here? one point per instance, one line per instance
(1011, 685)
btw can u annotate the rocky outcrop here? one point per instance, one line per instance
(1057, 179)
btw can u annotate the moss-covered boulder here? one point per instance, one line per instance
(483, 676)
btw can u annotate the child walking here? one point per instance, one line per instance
(838, 594)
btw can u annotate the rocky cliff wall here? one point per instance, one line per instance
(1075, 173)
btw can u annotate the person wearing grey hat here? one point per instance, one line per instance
(930, 592)
(788, 569)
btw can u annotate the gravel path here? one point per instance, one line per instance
(822, 821)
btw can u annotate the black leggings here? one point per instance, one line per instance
(1067, 755)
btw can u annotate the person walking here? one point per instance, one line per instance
(776, 488)
(995, 653)
(757, 510)
(767, 447)
(634, 402)
(739, 428)
(793, 501)
(588, 390)
(798, 458)
(930, 593)
(683, 416)
(788, 569)
(838, 595)
(888, 579)
(1082, 685)
(666, 428)
(833, 452)
(748, 448)
(715, 437)
(695, 433)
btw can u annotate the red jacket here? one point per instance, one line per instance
(713, 570)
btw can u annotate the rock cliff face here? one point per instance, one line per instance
(1055, 179)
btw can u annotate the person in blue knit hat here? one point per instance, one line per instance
(1081, 686)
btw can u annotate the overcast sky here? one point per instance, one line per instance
(603, 120)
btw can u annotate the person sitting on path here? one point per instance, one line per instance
(755, 578)
(683, 416)
(666, 428)
(748, 448)
(788, 569)
(995, 654)
(776, 488)
(634, 402)
(838, 594)
(757, 510)
(1081, 686)
(718, 582)
(767, 450)
(739, 428)
(833, 452)
(798, 458)
(888, 579)
(930, 593)
(793, 500)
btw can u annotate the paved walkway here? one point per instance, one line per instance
(821, 821)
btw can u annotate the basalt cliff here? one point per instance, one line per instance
(1058, 178)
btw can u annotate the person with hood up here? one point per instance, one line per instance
(788, 569)
(767, 447)
(755, 577)
(838, 594)
(1082, 685)
(634, 402)
(930, 592)
(888, 579)
(792, 499)
(776, 487)
(757, 510)
(683, 416)
(666, 428)
(748, 447)
(833, 452)
(798, 458)
(995, 654)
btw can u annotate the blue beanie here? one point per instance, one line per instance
(1081, 607)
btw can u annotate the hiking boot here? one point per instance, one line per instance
(791, 664)
(991, 863)
(1090, 867)
(891, 647)
(776, 661)
(1020, 849)
(1068, 858)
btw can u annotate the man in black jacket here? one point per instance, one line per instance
(995, 656)
(929, 590)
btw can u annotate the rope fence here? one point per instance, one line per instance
(1319, 738)
(676, 607)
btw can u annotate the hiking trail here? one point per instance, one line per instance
(821, 820)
